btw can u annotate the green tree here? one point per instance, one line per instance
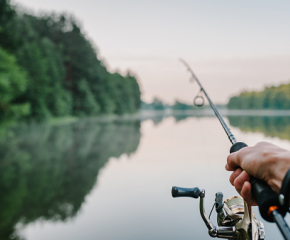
(181, 106)
(64, 73)
(13, 83)
(270, 98)
(85, 103)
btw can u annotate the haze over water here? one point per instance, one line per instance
(112, 180)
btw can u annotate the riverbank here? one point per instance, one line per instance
(209, 113)
(143, 115)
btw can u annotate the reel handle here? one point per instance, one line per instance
(264, 195)
(185, 192)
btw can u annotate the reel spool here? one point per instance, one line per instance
(233, 214)
(233, 210)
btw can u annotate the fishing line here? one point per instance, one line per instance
(271, 205)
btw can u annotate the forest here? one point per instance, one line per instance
(275, 97)
(49, 68)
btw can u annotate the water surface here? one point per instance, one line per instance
(112, 180)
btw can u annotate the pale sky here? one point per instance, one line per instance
(231, 45)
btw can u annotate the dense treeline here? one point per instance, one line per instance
(49, 68)
(269, 98)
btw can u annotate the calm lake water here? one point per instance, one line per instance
(112, 180)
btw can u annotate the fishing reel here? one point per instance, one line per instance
(234, 218)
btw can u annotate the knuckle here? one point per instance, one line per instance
(262, 143)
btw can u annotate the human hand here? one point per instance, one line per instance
(264, 161)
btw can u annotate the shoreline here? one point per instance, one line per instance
(143, 115)
(209, 112)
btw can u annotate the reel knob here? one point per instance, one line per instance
(185, 192)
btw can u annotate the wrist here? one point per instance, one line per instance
(283, 165)
(278, 165)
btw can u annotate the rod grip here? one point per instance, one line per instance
(261, 191)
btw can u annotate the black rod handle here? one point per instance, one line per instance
(264, 195)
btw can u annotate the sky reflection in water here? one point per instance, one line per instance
(109, 181)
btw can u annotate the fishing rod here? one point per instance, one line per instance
(224, 125)
(235, 219)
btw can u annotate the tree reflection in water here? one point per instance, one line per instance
(47, 171)
(271, 126)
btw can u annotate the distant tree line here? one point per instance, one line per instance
(178, 105)
(158, 104)
(48, 67)
(270, 98)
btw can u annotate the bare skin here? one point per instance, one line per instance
(265, 161)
